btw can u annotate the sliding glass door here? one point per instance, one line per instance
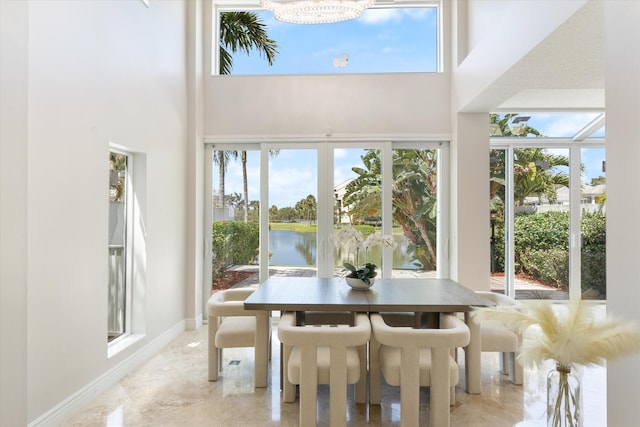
(280, 209)
(547, 227)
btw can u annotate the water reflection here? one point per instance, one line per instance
(294, 249)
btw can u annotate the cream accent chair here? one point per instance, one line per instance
(230, 325)
(495, 337)
(323, 354)
(411, 358)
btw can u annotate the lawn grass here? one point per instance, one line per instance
(304, 227)
(300, 227)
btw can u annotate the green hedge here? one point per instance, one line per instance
(233, 243)
(541, 248)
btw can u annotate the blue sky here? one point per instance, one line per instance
(293, 173)
(381, 40)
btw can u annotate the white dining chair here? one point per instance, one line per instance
(323, 354)
(409, 358)
(495, 337)
(230, 325)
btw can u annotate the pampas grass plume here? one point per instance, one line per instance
(569, 335)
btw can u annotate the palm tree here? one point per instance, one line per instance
(221, 158)
(414, 190)
(307, 208)
(535, 171)
(241, 31)
(364, 193)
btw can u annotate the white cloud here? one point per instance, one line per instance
(561, 125)
(340, 153)
(380, 16)
(289, 185)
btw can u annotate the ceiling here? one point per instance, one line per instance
(564, 72)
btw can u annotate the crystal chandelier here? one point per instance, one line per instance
(315, 11)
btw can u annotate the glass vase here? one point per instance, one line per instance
(563, 398)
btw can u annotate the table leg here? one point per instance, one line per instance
(472, 357)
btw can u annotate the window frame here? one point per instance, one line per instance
(221, 6)
(135, 251)
(325, 192)
(574, 148)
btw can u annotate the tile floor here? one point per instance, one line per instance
(171, 389)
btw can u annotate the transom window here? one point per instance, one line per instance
(381, 40)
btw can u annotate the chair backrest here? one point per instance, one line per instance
(411, 357)
(453, 333)
(320, 353)
(230, 302)
(499, 299)
(319, 336)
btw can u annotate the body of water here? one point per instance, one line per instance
(293, 249)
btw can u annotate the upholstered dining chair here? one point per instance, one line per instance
(409, 358)
(323, 354)
(495, 337)
(230, 325)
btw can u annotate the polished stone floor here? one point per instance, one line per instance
(171, 389)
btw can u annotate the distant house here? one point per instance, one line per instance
(339, 192)
(590, 196)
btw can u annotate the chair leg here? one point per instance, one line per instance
(410, 389)
(308, 387)
(473, 356)
(440, 387)
(288, 389)
(361, 385)
(517, 372)
(213, 366)
(505, 363)
(374, 372)
(338, 387)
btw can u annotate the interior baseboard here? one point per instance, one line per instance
(80, 399)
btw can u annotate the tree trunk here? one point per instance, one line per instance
(221, 168)
(245, 186)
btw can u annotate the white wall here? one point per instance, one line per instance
(378, 104)
(482, 16)
(518, 26)
(13, 213)
(469, 245)
(98, 72)
(622, 88)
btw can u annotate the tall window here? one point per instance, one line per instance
(292, 199)
(548, 211)
(118, 254)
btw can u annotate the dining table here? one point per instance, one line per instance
(422, 297)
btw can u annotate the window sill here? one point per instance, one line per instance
(122, 343)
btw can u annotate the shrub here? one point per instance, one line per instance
(594, 270)
(541, 248)
(364, 229)
(550, 266)
(594, 259)
(233, 243)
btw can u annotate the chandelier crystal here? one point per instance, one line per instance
(316, 11)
